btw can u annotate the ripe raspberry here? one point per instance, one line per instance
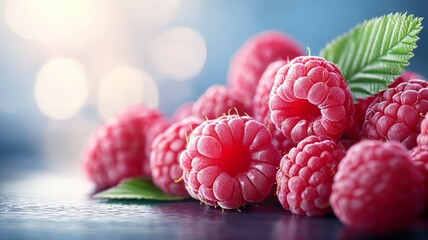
(261, 110)
(306, 174)
(376, 188)
(121, 147)
(311, 97)
(251, 60)
(164, 158)
(219, 100)
(362, 105)
(230, 162)
(396, 114)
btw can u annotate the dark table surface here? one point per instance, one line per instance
(46, 205)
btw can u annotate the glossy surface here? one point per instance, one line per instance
(45, 206)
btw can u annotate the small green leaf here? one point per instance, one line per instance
(375, 52)
(137, 188)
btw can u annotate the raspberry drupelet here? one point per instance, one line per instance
(164, 158)
(311, 97)
(306, 174)
(120, 148)
(230, 162)
(377, 188)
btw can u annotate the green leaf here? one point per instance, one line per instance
(375, 53)
(137, 188)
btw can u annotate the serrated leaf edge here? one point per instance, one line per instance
(415, 27)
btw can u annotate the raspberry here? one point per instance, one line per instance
(164, 158)
(306, 174)
(396, 114)
(251, 60)
(261, 110)
(230, 162)
(376, 188)
(311, 97)
(219, 100)
(362, 105)
(120, 148)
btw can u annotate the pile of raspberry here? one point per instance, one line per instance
(285, 127)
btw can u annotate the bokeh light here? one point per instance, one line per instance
(179, 53)
(151, 13)
(53, 22)
(61, 88)
(124, 86)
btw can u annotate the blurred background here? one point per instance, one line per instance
(68, 65)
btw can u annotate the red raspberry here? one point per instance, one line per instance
(306, 174)
(363, 104)
(376, 188)
(251, 60)
(164, 158)
(230, 162)
(261, 110)
(311, 97)
(396, 114)
(121, 147)
(219, 100)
